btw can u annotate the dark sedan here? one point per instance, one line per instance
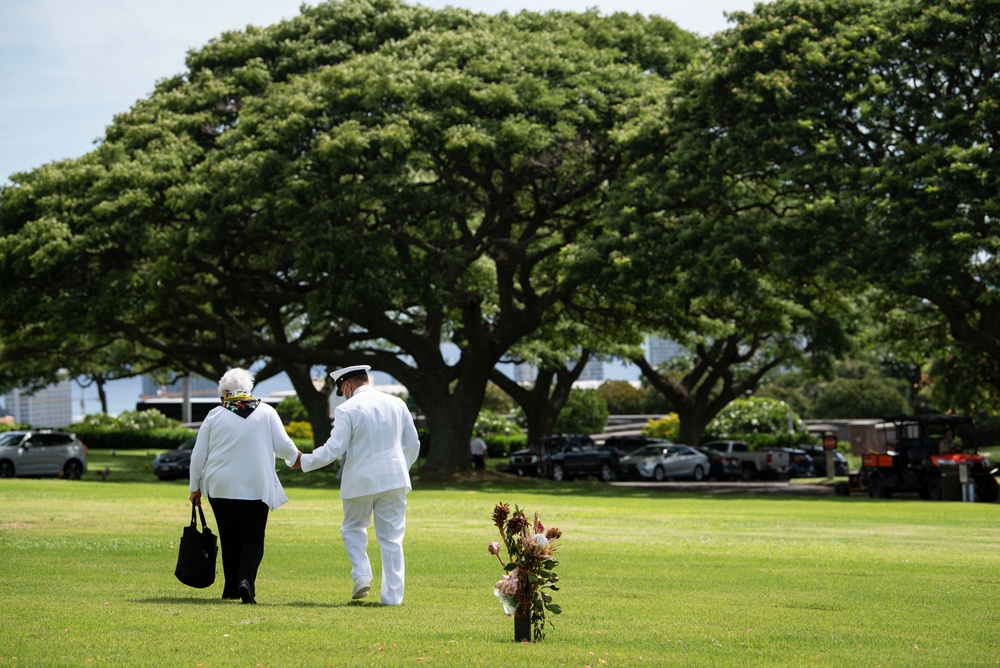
(840, 467)
(722, 467)
(176, 463)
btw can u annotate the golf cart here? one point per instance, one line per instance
(922, 455)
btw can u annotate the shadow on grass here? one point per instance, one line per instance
(185, 600)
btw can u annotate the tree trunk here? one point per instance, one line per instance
(316, 402)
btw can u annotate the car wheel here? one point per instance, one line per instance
(519, 471)
(6, 469)
(749, 473)
(659, 475)
(72, 470)
(558, 473)
(877, 489)
(699, 474)
(607, 473)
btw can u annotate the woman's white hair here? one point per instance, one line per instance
(236, 381)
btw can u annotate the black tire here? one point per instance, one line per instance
(659, 475)
(73, 470)
(842, 489)
(607, 473)
(987, 489)
(877, 488)
(6, 469)
(558, 472)
(749, 473)
(519, 471)
(698, 474)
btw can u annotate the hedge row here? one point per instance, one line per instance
(105, 438)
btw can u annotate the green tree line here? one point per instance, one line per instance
(369, 180)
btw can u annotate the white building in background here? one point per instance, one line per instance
(50, 407)
(662, 350)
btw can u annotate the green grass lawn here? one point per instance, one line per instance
(649, 579)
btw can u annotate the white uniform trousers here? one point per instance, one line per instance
(389, 509)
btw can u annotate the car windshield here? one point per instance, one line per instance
(11, 437)
(649, 451)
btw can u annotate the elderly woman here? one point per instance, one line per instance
(233, 464)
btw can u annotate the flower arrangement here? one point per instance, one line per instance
(530, 567)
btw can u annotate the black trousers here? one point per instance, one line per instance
(241, 526)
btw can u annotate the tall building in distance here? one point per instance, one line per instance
(50, 407)
(593, 371)
(661, 350)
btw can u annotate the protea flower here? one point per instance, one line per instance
(500, 513)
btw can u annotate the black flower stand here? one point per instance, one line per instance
(522, 628)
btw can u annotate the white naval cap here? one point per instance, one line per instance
(340, 375)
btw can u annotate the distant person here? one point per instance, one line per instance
(376, 433)
(478, 452)
(232, 463)
(947, 444)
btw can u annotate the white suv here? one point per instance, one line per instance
(42, 453)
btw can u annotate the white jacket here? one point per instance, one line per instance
(376, 432)
(233, 457)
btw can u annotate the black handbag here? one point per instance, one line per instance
(196, 559)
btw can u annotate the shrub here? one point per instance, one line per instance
(132, 430)
(622, 397)
(501, 433)
(584, 413)
(668, 428)
(298, 430)
(756, 415)
(291, 409)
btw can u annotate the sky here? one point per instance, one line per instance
(68, 66)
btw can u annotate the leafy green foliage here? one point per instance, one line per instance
(622, 398)
(668, 427)
(291, 409)
(756, 416)
(584, 413)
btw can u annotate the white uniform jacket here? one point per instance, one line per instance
(377, 433)
(233, 457)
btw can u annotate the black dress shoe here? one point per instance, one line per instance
(246, 591)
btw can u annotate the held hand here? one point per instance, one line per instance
(298, 458)
(196, 498)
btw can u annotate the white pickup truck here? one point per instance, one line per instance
(770, 464)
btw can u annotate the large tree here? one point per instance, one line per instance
(360, 184)
(878, 120)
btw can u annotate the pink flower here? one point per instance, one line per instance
(494, 547)
(507, 584)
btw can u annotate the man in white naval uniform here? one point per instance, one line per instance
(376, 432)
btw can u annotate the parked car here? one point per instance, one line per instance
(624, 445)
(800, 462)
(660, 461)
(721, 466)
(818, 454)
(175, 463)
(564, 456)
(42, 453)
(755, 463)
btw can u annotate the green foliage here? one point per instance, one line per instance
(299, 430)
(291, 409)
(584, 413)
(145, 420)
(502, 433)
(757, 415)
(147, 430)
(871, 397)
(497, 401)
(106, 438)
(668, 427)
(622, 398)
